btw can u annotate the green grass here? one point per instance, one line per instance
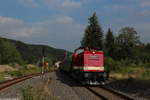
(27, 93)
(23, 70)
(43, 92)
(146, 75)
(126, 69)
(130, 72)
(2, 76)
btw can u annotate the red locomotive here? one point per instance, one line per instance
(87, 65)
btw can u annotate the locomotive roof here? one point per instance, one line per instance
(88, 49)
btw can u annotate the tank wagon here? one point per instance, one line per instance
(86, 65)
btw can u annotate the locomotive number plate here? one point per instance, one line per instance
(93, 57)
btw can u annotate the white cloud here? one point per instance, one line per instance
(64, 19)
(5, 20)
(60, 32)
(29, 3)
(123, 8)
(19, 28)
(8, 25)
(145, 12)
(71, 4)
(145, 3)
(119, 7)
(143, 29)
(52, 4)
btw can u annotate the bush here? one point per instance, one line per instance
(111, 65)
(16, 73)
(122, 66)
(147, 65)
(146, 75)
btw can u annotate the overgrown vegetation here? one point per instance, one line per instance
(9, 53)
(124, 53)
(22, 70)
(125, 69)
(43, 92)
(27, 53)
(14, 52)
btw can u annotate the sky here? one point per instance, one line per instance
(61, 23)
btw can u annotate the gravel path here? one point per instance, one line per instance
(67, 89)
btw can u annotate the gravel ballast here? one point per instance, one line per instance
(14, 91)
(134, 88)
(59, 86)
(67, 89)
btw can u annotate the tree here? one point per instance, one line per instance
(148, 46)
(129, 36)
(93, 36)
(9, 53)
(109, 43)
(126, 41)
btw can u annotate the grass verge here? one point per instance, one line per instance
(43, 92)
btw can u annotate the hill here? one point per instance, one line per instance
(31, 53)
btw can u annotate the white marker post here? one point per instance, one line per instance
(43, 60)
(42, 64)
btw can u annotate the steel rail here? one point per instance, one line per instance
(14, 81)
(118, 93)
(108, 94)
(97, 94)
(96, 90)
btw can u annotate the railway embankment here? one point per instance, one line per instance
(138, 89)
(58, 86)
(66, 88)
(29, 89)
(51, 86)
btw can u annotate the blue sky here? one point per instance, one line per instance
(61, 23)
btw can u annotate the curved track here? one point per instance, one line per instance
(8, 83)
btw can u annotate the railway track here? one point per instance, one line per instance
(103, 92)
(108, 94)
(14, 81)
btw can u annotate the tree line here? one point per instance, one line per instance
(9, 53)
(12, 52)
(125, 45)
